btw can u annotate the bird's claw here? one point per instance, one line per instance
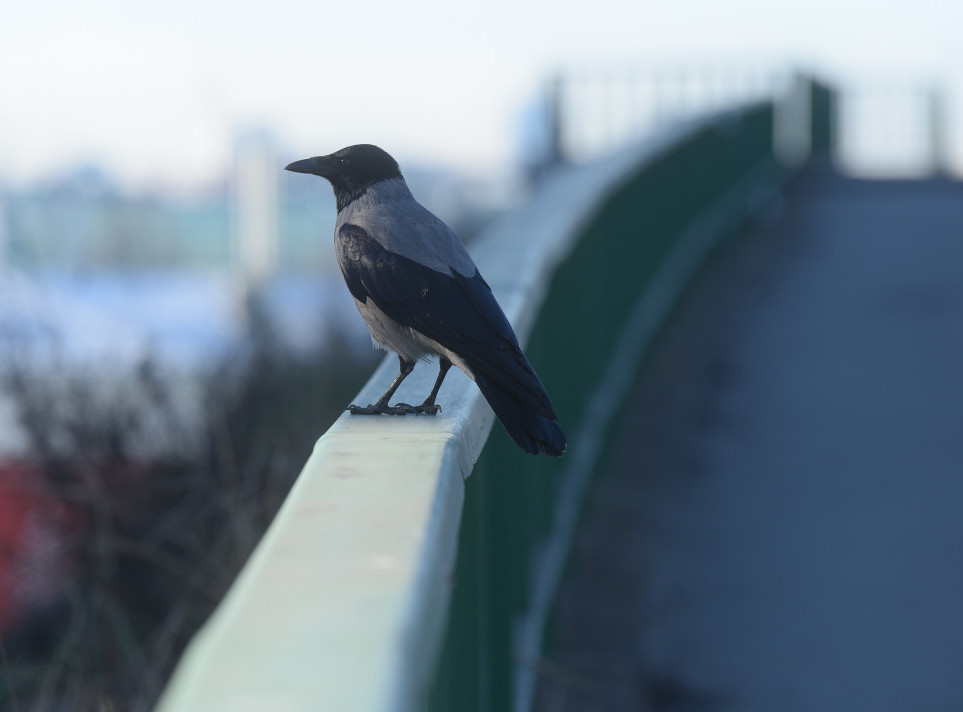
(381, 409)
(396, 409)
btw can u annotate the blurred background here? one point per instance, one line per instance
(173, 332)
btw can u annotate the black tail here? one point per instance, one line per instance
(532, 432)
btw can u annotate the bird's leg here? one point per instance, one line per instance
(429, 405)
(382, 407)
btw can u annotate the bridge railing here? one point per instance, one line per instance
(414, 563)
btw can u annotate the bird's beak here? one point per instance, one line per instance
(316, 166)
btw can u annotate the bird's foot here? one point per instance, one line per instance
(396, 409)
(382, 409)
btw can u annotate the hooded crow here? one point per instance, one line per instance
(420, 293)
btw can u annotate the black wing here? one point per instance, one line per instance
(458, 312)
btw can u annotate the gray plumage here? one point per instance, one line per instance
(387, 211)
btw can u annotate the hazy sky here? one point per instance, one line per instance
(155, 91)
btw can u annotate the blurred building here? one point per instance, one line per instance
(3, 233)
(255, 207)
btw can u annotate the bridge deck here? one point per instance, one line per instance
(780, 524)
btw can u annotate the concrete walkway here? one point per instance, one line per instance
(780, 526)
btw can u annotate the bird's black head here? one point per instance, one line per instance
(351, 171)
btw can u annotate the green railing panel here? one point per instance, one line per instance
(511, 501)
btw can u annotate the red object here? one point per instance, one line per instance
(33, 558)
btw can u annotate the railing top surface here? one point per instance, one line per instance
(343, 602)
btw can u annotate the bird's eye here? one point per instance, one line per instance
(345, 162)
